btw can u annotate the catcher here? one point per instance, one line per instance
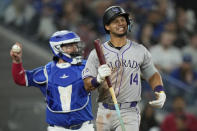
(68, 104)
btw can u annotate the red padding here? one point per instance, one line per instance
(18, 74)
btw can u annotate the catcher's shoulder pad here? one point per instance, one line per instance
(39, 77)
(84, 62)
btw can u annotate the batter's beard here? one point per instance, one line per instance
(120, 35)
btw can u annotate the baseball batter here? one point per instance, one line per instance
(126, 62)
(60, 81)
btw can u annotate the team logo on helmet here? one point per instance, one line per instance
(116, 10)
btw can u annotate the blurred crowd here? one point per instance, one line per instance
(166, 27)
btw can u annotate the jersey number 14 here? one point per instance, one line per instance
(134, 78)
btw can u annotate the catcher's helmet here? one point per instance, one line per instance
(64, 37)
(111, 13)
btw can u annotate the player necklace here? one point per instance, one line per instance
(110, 44)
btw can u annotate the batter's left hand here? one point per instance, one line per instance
(159, 102)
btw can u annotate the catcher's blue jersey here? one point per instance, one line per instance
(67, 101)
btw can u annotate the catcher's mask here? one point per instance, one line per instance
(65, 37)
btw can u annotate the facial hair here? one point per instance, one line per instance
(120, 35)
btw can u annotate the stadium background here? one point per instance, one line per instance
(32, 22)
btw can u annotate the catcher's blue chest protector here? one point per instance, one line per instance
(67, 100)
(65, 89)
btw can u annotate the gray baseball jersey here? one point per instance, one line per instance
(127, 64)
